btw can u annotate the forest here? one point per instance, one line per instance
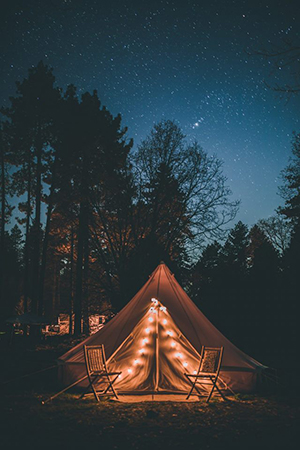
(86, 218)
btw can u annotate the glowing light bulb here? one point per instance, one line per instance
(120, 376)
(136, 361)
(145, 340)
(165, 321)
(170, 333)
(141, 351)
(173, 344)
(163, 308)
(178, 355)
(129, 370)
(185, 364)
(150, 319)
(147, 330)
(195, 372)
(154, 300)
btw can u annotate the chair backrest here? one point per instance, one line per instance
(211, 360)
(94, 356)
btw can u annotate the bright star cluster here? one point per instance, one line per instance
(170, 59)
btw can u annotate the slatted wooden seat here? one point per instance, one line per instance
(208, 372)
(97, 371)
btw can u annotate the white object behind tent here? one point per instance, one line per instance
(157, 337)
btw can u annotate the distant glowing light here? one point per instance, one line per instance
(129, 370)
(136, 361)
(154, 300)
(178, 355)
(170, 333)
(147, 330)
(145, 340)
(141, 351)
(163, 308)
(173, 344)
(165, 321)
(153, 310)
(185, 364)
(120, 376)
(195, 372)
(150, 319)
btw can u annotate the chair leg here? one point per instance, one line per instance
(91, 382)
(112, 388)
(110, 385)
(94, 390)
(211, 392)
(199, 393)
(222, 395)
(189, 394)
(193, 386)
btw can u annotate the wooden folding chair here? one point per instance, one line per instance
(96, 368)
(208, 372)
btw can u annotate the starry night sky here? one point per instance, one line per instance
(182, 60)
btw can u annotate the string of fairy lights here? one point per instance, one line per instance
(167, 338)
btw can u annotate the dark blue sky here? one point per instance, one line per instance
(181, 60)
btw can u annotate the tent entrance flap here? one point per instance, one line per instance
(156, 357)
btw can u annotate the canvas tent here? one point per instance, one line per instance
(155, 339)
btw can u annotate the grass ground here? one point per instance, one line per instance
(263, 421)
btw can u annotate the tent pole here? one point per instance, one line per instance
(156, 351)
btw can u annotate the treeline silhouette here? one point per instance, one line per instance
(249, 288)
(95, 217)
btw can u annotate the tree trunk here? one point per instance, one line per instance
(71, 282)
(53, 310)
(79, 272)
(26, 247)
(81, 241)
(37, 226)
(2, 243)
(46, 240)
(86, 325)
(57, 287)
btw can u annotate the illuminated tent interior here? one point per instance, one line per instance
(155, 339)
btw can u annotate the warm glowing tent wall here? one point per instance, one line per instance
(153, 343)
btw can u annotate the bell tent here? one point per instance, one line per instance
(155, 339)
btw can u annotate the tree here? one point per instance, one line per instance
(265, 281)
(94, 156)
(277, 230)
(183, 190)
(235, 248)
(286, 56)
(6, 208)
(290, 190)
(12, 271)
(112, 234)
(30, 125)
(206, 278)
(233, 284)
